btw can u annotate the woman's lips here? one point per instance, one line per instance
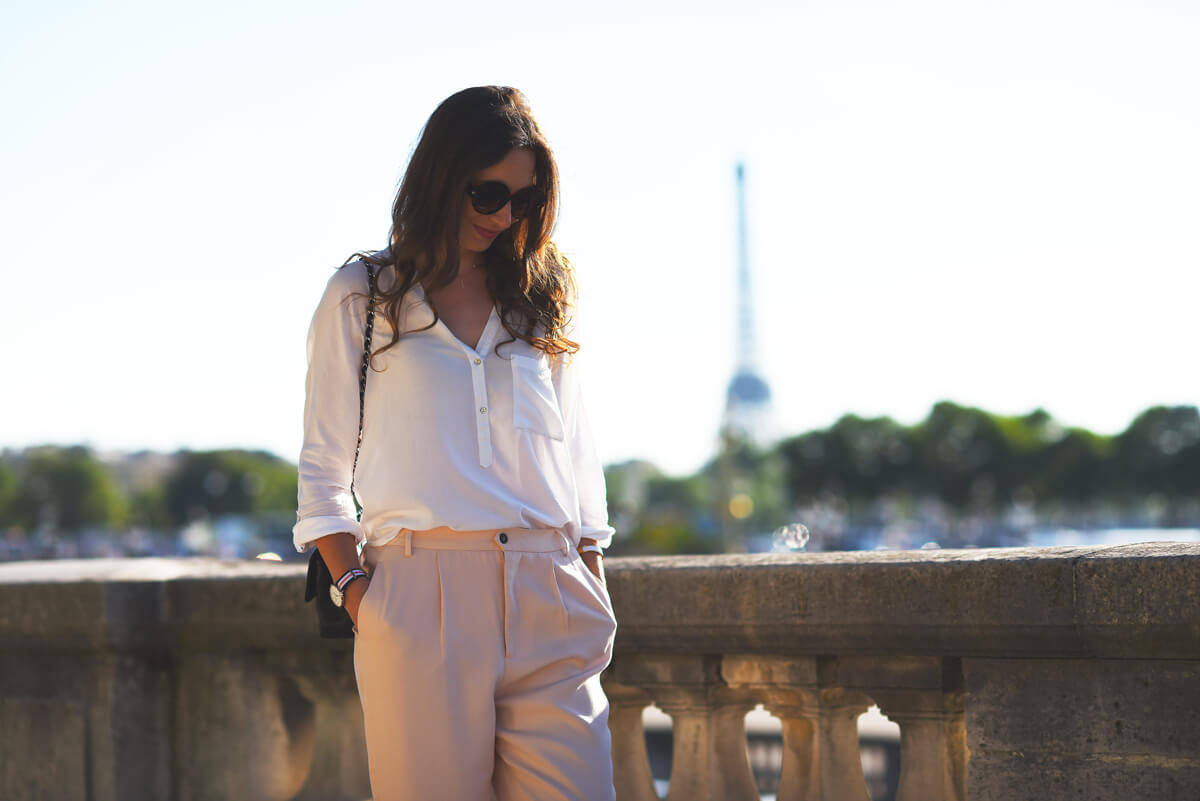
(486, 234)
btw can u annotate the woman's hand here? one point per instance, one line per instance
(338, 551)
(355, 591)
(595, 563)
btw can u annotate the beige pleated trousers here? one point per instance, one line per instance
(478, 658)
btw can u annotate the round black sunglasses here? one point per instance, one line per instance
(491, 196)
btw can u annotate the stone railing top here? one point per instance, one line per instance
(1133, 600)
(1125, 601)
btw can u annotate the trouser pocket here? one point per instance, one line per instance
(591, 624)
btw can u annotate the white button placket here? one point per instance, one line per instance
(483, 426)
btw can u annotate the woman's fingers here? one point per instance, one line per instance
(594, 563)
(355, 591)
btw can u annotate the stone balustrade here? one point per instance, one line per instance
(1027, 673)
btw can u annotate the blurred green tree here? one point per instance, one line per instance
(8, 492)
(64, 490)
(1159, 453)
(148, 508)
(222, 482)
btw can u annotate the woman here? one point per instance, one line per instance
(483, 621)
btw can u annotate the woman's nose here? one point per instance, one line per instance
(503, 218)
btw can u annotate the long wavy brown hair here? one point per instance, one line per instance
(531, 280)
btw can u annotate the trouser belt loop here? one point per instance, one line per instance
(407, 542)
(566, 543)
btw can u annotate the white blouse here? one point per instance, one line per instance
(469, 438)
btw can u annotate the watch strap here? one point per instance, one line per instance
(349, 576)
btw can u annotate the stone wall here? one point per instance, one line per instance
(172, 679)
(1013, 673)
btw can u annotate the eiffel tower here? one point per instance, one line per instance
(747, 417)
(747, 400)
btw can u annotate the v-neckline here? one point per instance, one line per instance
(484, 336)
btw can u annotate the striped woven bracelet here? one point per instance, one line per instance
(350, 575)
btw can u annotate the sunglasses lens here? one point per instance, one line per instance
(527, 200)
(489, 197)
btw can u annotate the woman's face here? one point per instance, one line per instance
(478, 231)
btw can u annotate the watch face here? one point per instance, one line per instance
(336, 595)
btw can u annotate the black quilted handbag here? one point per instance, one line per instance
(334, 621)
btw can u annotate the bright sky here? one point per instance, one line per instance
(994, 203)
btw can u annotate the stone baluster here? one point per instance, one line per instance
(631, 764)
(709, 761)
(923, 694)
(820, 745)
(837, 740)
(800, 774)
(709, 758)
(820, 726)
(788, 689)
(933, 743)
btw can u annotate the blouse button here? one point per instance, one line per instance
(483, 410)
(477, 360)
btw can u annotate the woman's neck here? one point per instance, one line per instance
(470, 281)
(470, 272)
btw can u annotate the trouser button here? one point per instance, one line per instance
(503, 538)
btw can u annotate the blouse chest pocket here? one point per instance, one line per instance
(535, 405)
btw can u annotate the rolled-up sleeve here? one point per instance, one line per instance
(585, 459)
(331, 410)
